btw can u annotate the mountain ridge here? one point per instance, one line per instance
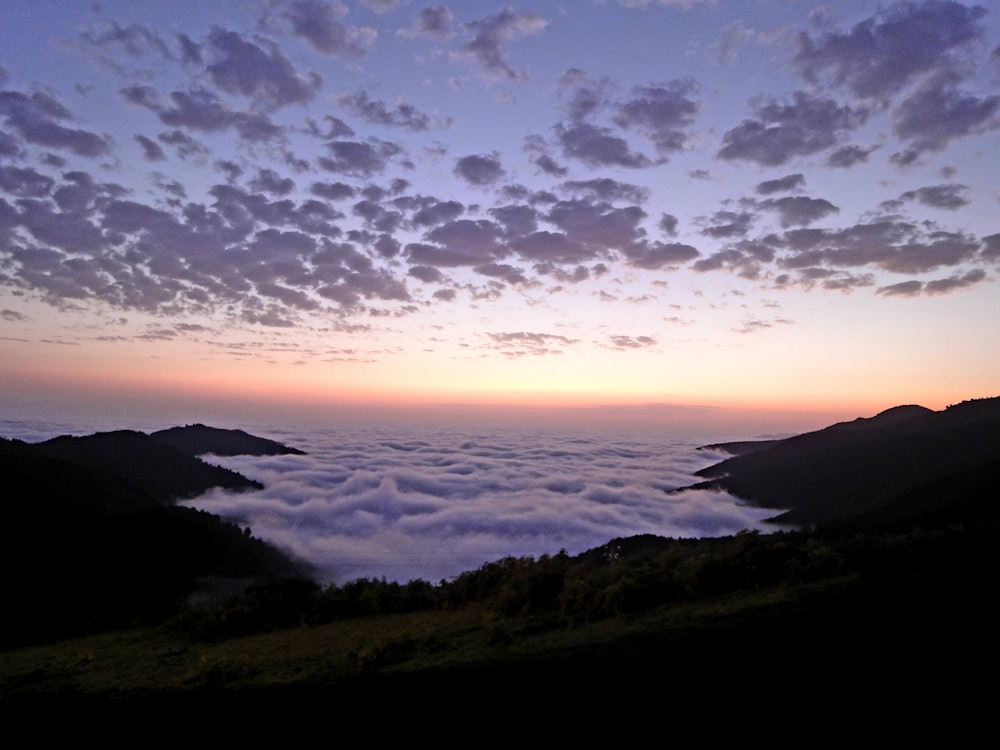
(198, 439)
(861, 471)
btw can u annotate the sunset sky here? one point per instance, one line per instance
(769, 205)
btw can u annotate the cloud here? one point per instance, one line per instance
(950, 196)
(668, 224)
(658, 255)
(727, 224)
(915, 288)
(952, 283)
(185, 146)
(598, 224)
(379, 113)
(433, 22)
(781, 132)
(335, 128)
(191, 51)
(588, 98)
(782, 184)
(519, 343)
(464, 242)
(755, 325)
(319, 24)
(269, 181)
(551, 247)
(607, 189)
(896, 246)
(36, 119)
(489, 36)
(517, 220)
(237, 232)
(25, 182)
(799, 210)
(381, 6)
(598, 147)
(731, 37)
(884, 53)
(685, 4)
(9, 146)
(202, 110)
(437, 212)
(902, 289)
(478, 169)
(151, 150)
(376, 216)
(550, 166)
(356, 158)
(663, 113)
(258, 71)
(426, 274)
(939, 113)
(632, 342)
(847, 156)
(332, 191)
(991, 247)
(745, 258)
(134, 39)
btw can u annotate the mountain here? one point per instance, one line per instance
(197, 440)
(140, 464)
(905, 462)
(91, 536)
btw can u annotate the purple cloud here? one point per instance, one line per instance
(782, 184)
(489, 36)
(319, 24)
(780, 132)
(480, 169)
(433, 22)
(258, 71)
(378, 112)
(664, 113)
(36, 119)
(882, 54)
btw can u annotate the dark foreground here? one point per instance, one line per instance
(911, 629)
(883, 617)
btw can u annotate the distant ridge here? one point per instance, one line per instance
(142, 463)
(197, 440)
(901, 463)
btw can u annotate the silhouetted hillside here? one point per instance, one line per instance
(897, 463)
(197, 440)
(90, 537)
(145, 464)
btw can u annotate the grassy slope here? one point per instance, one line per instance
(911, 613)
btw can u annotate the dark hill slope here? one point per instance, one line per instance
(872, 470)
(198, 439)
(90, 537)
(141, 465)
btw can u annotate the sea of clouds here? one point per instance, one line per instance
(430, 503)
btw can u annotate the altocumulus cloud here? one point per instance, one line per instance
(376, 502)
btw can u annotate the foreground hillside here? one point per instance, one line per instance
(781, 623)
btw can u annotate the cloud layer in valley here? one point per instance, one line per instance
(410, 504)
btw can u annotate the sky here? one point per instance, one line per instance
(671, 207)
